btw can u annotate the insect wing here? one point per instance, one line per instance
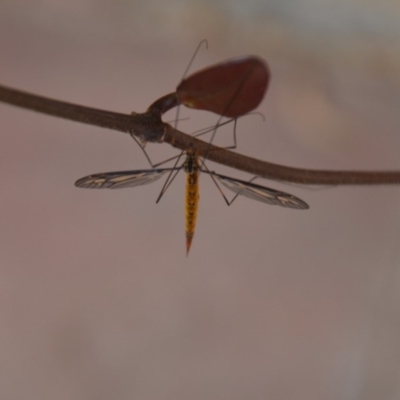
(121, 179)
(261, 193)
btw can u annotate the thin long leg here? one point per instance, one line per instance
(236, 195)
(202, 132)
(205, 42)
(170, 178)
(142, 147)
(172, 175)
(143, 144)
(216, 183)
(174, 172)
(213, 136)
(228, 202)
(234, 145)
(148, 158)
(167, 183)
(167, 160)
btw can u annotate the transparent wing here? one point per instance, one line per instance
(121, 179)
(261, 193)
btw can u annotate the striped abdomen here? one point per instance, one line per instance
(191, 197)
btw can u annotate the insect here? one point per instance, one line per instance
(192, 166)
(231, 89)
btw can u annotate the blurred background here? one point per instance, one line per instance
(98, 299)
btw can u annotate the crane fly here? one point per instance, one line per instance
(231, 89)
(192, 167)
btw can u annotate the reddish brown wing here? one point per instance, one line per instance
(231, 88)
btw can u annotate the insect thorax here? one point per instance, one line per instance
(191, 165)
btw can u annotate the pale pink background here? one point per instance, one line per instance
(97, 297)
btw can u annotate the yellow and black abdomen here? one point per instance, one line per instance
(191, 198)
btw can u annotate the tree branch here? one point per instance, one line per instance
(149, 127)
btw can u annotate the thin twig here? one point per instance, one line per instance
(149, 127)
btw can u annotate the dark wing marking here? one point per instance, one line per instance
(261, 193)
(121, 179)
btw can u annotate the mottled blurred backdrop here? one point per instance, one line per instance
(98, 299)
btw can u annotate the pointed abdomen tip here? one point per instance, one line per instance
(188, 244)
